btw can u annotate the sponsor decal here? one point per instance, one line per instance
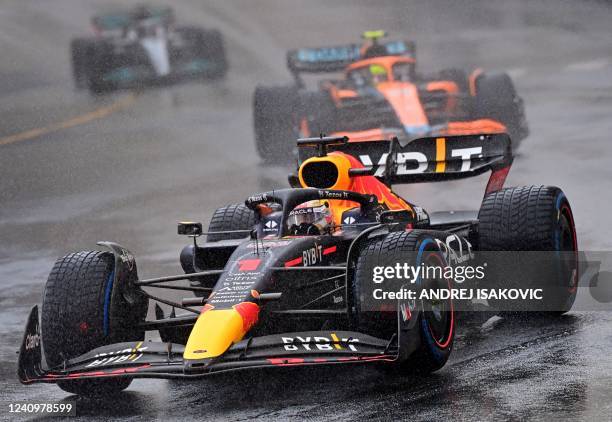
(127, 258)
(302, 211)
(326, 194)
(323, 343)
(248, 264)
(32, 341)
(453, 251)
(238, 284)
(257, 198)
(243, 276)
(271, 243)
(129, 354)
(312, 256)
(349, 220)
(414, 162)
(421, 214)
(328, 54)
(466, 156)
(270, 226)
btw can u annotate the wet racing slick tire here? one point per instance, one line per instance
(531, 218)
(80, 52)
(275, 119)
(436, 320)
(458, 76)
(207, 45)
(319, 114)
(496, 99)
(101, 62)
(230, 217)
(215, 49)
(76, 315)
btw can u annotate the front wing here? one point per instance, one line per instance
(165, 360)
(126, 76)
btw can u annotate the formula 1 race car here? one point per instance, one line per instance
(381, 95)
(285, 278)
(141, 45)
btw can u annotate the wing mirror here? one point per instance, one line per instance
(189, 228)
(401, 216)
(294, 180)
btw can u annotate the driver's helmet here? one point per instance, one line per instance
(310, 218)
(378, 72)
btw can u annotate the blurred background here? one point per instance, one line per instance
(125, 166)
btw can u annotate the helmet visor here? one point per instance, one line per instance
(308, 215)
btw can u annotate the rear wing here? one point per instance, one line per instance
(335, 59)
(432, 159)
(123, 19)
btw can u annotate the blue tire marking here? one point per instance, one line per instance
(107, 299)
(559, 199)
(420, 253)
(424, 325)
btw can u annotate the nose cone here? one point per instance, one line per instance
(404, 98)
(157, 49)
(217, 329)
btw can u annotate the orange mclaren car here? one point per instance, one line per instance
(378, 94)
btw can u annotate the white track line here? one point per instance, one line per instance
(587, 65)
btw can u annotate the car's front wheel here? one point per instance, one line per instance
(435, 320)
(80, 313)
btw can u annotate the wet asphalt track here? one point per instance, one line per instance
(179, 152)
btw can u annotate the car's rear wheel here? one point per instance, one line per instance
(230, 218)
(101, 62)
(319, 115)
(80, 52)
(496, 99)
(436, 320)
(78, 315)
(206, 45)
(458, 76)
(276, 113)
(215, 48)
(537, 222)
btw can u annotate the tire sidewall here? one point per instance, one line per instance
(439, 353)
(429, 355)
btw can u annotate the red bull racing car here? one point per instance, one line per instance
(380, 95)
(286, 278)
(142, 46)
